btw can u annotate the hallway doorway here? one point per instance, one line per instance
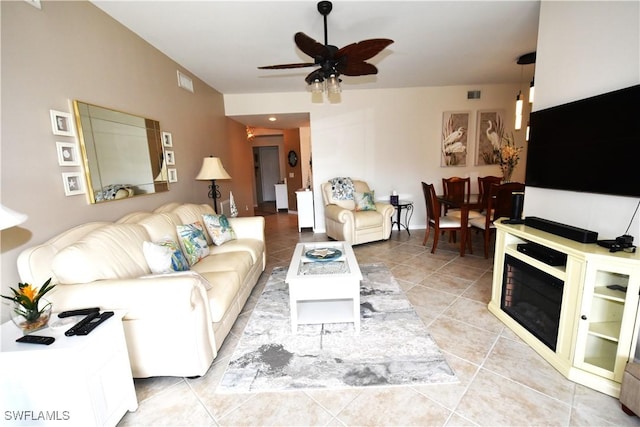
(267, 172)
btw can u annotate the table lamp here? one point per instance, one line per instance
(10, 218)
(211, 170)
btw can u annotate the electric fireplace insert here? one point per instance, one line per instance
(532, 298)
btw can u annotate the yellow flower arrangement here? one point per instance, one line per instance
(26, 299)
(508, 156)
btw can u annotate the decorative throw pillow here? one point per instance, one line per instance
(342, 188)
(193, 241)
(164, 257)
(219, 228)
(365, 201)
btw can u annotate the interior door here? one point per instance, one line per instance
(268, 171)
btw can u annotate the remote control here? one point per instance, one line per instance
(75, 328)
(81, 312)
(93, 323)
(36, 339)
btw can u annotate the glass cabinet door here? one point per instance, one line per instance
(607, 319)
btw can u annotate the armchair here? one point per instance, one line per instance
(344, 222)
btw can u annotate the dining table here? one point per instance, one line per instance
(471, 201)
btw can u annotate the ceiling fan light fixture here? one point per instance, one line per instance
(333, 84)
(349, 60)
(317, 86)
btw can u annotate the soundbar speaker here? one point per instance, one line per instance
(570, 232)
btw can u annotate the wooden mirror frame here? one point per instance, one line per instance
(122, 153)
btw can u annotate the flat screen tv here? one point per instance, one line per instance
(591, 145)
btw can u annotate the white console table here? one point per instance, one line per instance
(78, 380)
(598, 326)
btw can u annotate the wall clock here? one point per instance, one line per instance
(293, 158)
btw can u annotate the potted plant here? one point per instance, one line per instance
(30, 311)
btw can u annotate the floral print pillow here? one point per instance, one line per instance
(193, 242)
(365, 201)
(219, 228)
(164, 257)
(342, 188)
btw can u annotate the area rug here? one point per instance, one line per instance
(393, 347)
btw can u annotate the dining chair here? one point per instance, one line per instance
(436, 221)
(484, 185)
(498, 205)
(457, 188)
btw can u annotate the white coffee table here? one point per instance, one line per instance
(324, 290)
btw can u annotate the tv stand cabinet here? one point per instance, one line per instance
(598, 326)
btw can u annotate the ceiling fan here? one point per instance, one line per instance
(349, 60)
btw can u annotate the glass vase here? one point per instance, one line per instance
(31, 320)
(507, 171)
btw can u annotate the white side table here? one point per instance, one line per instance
(79, 380)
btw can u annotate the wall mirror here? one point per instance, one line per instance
(123, 153)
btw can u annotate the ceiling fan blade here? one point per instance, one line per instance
(363, 50)
(356, 68)
(310, 46)
(284, 66)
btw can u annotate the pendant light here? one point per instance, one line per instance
(532, 90)
(528, 58)
(519, 102)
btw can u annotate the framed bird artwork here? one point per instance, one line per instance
(489, 133)
(454, 147)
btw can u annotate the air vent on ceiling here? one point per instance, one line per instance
(185, 82)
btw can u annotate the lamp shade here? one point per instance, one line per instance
(212, 169)
(10, 218)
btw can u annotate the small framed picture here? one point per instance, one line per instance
(173, 175)
(61, 123)
(171, 158)
(167, 140)
(73, 183)
(68, 154)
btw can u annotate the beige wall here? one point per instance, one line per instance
(241, 162)
(72, 50)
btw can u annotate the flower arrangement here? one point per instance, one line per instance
(26, 300)
(508, 156)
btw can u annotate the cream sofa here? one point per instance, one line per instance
(174, 323)
(344, 222)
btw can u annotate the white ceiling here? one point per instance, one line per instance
(436, 43)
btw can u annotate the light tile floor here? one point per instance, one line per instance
(502, 381)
